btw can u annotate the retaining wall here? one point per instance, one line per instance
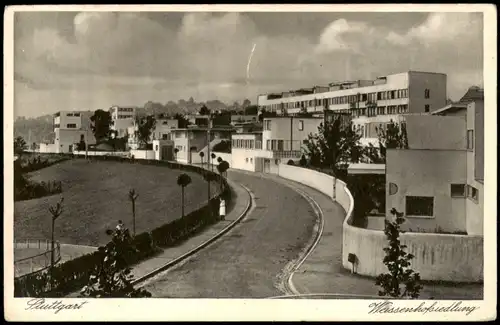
(438, 257)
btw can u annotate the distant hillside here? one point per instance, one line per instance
(41, 129)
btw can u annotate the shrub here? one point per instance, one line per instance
(290, 162)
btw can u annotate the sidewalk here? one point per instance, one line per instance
(322, 271)
(239, 205)
(150, 267)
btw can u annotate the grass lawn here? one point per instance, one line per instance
(96, 197)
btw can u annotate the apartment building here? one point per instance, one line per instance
(438, 181)
(70, 127)
(121, 119)
(372, 103)
(283, 138)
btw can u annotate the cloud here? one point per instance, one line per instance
(95, 59)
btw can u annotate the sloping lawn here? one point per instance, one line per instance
(96, 197)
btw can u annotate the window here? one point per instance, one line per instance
(71, 126)
(267, 125)
(156, 148)
(427, 108)
(277, 161)
(251, 160)
(246, 159)
(380, 110)
(470, 139)
(76, 114)
(69, 114)
(457, 190)
(420, 206)
(268, 145)
(280, 145)
(301, 125)
(472, 193)
(427, 93)
(305, 141)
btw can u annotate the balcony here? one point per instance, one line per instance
(287, 154)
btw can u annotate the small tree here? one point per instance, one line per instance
(212, 163)
(222, 168)
(176, 150)
(19, 145)
(219, 160)
(132, 196)
(398, 263)
(145, 126)
(394, 136)
(209, 177)
(113, 278)
(202, 154)
(183, 180)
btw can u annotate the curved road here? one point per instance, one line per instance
(249, 260)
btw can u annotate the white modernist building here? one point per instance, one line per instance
(372, 103)
(122, 118)
(70, 127)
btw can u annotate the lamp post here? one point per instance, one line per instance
(209, 126)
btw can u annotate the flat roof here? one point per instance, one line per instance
(364, 168)
(450, 107)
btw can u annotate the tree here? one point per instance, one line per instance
(394, 136)
(145, 126)
(219, 159)
(334, 145)
(113, 278)
(132, 196)
(55, 211)
(398, 262)
(209, 177)
(101, 124)
(19, 145)
(183, 180)
(246, 103)
(202, 154)
(222, 168)
(204, 110)
(176, 150)
(212, 156)
(182, 121)
(303, 161)
(251, 110)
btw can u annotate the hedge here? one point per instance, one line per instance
(74, 274)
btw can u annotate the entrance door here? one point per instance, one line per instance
(166, 153)
(267, 166)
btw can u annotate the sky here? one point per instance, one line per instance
(93, 60)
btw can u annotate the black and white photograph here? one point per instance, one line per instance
(199, 154)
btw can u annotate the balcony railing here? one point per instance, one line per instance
(287, 154)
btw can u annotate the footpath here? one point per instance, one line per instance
(240, 204)
(323, 273)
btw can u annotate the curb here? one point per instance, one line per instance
(319, 213)
(336, 295)
(201, 246)
(319, 234)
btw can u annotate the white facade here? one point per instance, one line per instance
(122, 118)
(70, 128)
(371, 102)
(438, 181)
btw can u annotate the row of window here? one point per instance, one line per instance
(300, 125)
(380, 110)
(73, 114)
(381, 95)
(125, 109)
(121, 116)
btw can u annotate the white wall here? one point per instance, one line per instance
(427, 173)
(143, 154)
(102, 153)
(436, 132)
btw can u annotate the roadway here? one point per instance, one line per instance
(248, 262)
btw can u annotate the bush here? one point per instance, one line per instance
(223, 146)
(303, 161)
(290, 162)
(74, 274)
